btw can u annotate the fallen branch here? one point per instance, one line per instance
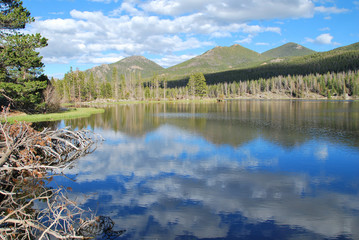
(28, 158)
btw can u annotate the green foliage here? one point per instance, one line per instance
(332, 61)
(330, 74)
(330, 85)
(191, 85)
(71, 113)
(197, 85)
(92, 87)
(13, 15)
(351, 47)
(215, 60)
(20, 58)
(126, 66)
(21, 80)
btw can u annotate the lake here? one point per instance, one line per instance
(246, 169)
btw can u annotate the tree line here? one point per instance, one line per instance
(297, 86)
(319, 73)
(75, 87)
(332, 61)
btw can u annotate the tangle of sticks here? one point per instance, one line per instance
(28, 208)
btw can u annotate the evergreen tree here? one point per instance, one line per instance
(21, 80)
(92, 87)
(123, 88)
(115, 83)
(201, 85)
(197, 85)
(191, 85)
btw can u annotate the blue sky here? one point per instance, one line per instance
(87, 33)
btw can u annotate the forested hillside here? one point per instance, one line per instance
(135, 64)
(215, 60)
(287, 50)
(332, 61)
(332, 73)
(354, 46)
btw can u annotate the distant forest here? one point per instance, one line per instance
(334, 73)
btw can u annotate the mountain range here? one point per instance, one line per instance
(218, 59)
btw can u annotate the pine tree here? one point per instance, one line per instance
(201, 85)
(92, 87)
(191, 85)
(21, 80)
(197, 85)
(115, 83)
(123, 88)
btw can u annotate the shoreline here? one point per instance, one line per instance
(262, 96)
(85, 109)
(70, 113)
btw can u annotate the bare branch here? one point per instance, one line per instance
(28, 158)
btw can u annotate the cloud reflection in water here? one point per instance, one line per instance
(171, 183)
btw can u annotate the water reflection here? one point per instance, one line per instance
(247, 169)
(287, 123)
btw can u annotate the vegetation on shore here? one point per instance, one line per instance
(341, 85)
(328, 74)
(66, 114)
(334, 61)
(22, 84)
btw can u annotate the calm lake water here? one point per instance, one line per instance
(233, 170)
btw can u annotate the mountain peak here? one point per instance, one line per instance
(138, 64)
(290, 49)
(135, 58)
(218, 59)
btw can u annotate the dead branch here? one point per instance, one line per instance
(27, 160)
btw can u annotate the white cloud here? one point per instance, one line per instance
(171, 60)
(233, 10)
(221, 34)
(322, 153)
(56, 13)
(126, 7)
(262, 44)
(323, 39)
(91, 35)
(329, 10)
(187, 170)
(101, 59)
(324, 29)
(246, 40)
(163, 27)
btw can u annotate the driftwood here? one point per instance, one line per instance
(28, 208)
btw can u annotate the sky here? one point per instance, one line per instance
(86, 33)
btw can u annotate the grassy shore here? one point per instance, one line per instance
(67, 114)
(109, 102)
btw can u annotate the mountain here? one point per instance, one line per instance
(134, 64)
(337, 60)
(354, 46)
(217, 59)
(220, 59)
(287, 50)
